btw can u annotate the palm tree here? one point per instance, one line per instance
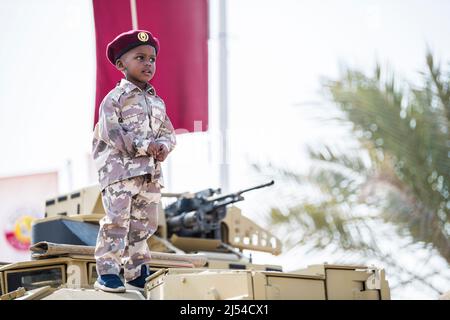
(398, 177)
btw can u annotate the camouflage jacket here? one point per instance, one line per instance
(129, 119)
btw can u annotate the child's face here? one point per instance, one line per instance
(138, 64)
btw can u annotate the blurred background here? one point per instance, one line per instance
(345, 104)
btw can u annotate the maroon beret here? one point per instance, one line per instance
(126, 41)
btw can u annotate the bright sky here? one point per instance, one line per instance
(278, 52)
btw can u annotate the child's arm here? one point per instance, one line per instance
(112, 133)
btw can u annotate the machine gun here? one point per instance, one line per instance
(199, 215)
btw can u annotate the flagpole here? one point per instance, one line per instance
(223, 95)
(134, 21)
(135, 26)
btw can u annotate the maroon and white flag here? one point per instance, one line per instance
(181, 78)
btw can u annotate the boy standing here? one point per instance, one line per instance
(131, 139)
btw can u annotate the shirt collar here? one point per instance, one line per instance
(128, 86)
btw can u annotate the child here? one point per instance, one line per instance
(131, 139)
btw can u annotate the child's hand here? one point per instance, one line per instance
(163, 152)
(153, 149)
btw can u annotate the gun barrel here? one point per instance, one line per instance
(237, 195)
(257, 187)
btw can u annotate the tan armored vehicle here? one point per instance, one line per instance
(197, 254)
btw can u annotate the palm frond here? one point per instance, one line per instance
(404, 132)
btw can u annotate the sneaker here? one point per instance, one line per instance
(109, 283)
(139, 282)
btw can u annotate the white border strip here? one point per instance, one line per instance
(134, 20)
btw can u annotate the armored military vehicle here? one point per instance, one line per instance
(197, 253)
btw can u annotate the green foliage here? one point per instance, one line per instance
(404, 133)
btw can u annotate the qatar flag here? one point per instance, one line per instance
(181, 78)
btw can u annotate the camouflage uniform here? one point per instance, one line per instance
(130, 179)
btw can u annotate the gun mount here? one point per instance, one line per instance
(199, 215)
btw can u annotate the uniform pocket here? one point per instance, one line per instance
(133, 116)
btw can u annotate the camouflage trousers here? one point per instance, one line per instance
(131, 208)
